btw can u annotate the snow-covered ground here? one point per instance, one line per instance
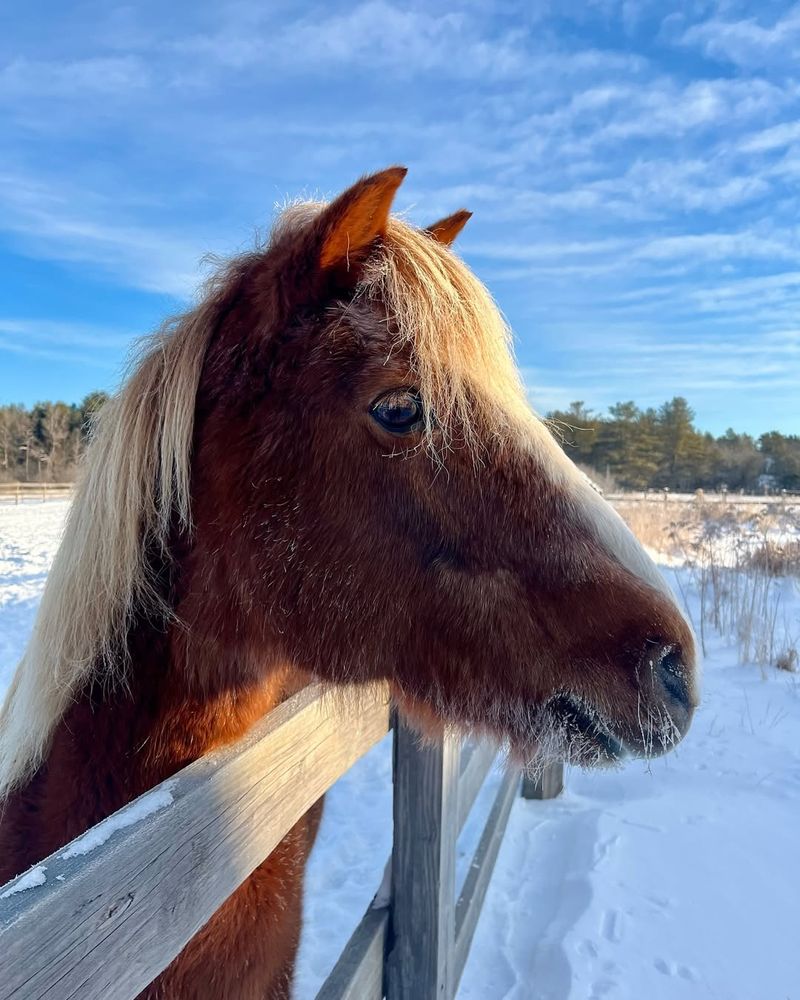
(29, 537)
(678, 879)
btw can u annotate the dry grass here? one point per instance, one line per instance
(743, 561)
(777, 559)
(652, 523)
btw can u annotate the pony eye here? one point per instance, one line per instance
(399, 411)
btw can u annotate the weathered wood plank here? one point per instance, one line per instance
(354, 975)
(477, 763)
(470, 902)
(358, 975)
(547, 785)
(423, 867)
(103, 924)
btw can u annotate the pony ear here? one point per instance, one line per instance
(350, 225)
(445, 230)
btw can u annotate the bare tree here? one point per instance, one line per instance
(56, 431)
(15, 433)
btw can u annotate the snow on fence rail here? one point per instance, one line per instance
(35, 491)
(103, 916)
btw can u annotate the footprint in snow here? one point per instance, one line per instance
(674, 969)
(603, 849)
(602, 988)
(611, 926)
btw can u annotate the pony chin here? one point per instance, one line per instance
(420, 716)
(563, 729)
(548, 740)
(567, 729)
(432, 727)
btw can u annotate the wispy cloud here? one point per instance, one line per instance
(633, 176)
(61, 224)
(604, 366)
(406, 40)
(77, 79)
(65, 334)
(96, 347)
(771, 41)
(777, 137)
(28, 350)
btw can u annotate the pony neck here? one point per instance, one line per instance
(196, 682)
(113, 744)
(192, 696)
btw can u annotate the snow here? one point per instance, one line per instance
(678, 879)
(29, 537)
(32, 878)
(139, 809)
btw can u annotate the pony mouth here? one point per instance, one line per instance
(585, 736)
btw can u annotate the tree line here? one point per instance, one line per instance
(638, 449)
(45, 443)
(628, 447)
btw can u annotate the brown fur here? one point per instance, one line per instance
(464, 562)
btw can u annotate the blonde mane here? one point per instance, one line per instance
(136, 478)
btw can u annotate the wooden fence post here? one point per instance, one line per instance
(547, 785)
(420, 966)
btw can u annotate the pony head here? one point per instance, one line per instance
(334, 457)
(374, 498)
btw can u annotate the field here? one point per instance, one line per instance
(670, 880)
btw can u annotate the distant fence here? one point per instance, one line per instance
(17, 492)
(101, 918)
(701, 496)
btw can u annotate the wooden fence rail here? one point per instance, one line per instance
(102, 917)
(780, 499)
(18, 492)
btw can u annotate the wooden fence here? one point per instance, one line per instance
(782, 498)
(18, 492)
(102, 917)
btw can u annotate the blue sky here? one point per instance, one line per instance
(633, 168)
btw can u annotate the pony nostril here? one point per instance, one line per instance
(670, 670)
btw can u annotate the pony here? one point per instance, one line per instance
(329, 469)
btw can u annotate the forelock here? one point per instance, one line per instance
(458, 341)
